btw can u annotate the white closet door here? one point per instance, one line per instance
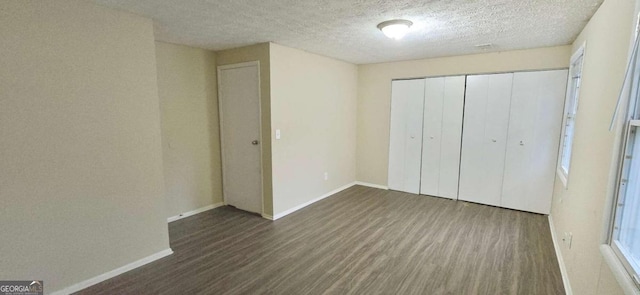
(405, 143)
(532, 145)
(431, 136)
(442, 131)
(486, 120)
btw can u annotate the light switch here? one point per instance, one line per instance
(277, 133)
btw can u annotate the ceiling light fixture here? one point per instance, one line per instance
(395, 29)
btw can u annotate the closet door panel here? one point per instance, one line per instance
(405, 143)
(486, 119)
(524, 104)
(431, 136)
(441, 139)
(533, 140)
(453, 107)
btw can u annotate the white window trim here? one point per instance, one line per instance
(611, 253)
(608, 251)
(564, 175)
(618, 270)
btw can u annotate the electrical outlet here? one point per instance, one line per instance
(326, 176)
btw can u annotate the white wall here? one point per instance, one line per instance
(374, 94)
(81, 181)
(313, 103)
(190, 127)
(581, 209)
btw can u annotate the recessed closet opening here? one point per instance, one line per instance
(485, 138)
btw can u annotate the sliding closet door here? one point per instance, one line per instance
(405, 143)
(442, 131)
(486, 120)
(534, 135)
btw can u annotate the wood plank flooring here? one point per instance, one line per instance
(359, 241)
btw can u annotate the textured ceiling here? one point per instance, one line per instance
(346, 29)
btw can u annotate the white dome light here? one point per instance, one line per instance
(395, 29)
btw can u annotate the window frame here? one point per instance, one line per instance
(572, 98)
(620, 191)
(631, 120)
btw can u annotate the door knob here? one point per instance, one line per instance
(255, 142)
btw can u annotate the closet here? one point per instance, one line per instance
(426, 126)
(511, 136)
(490, 139)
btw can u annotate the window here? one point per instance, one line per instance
(569, 120)
(626, 231)
(625, 236)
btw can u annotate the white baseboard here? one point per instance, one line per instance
(372, 185)
(118, 271)
(267, 216)
(563, 267)
(296, 208)
(194, 212)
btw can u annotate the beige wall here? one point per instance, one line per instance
(581, 208)
(374, 94)
(313, 103)
(81, 154)
(81, 181)
(258, 52)
(187, 88)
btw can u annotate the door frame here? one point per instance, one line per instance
(221, 68)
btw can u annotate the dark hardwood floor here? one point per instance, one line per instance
(360, 241)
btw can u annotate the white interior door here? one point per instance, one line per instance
(239, 103)
(534, 135)
(405, 142)
(441, 140)
(486, 120)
